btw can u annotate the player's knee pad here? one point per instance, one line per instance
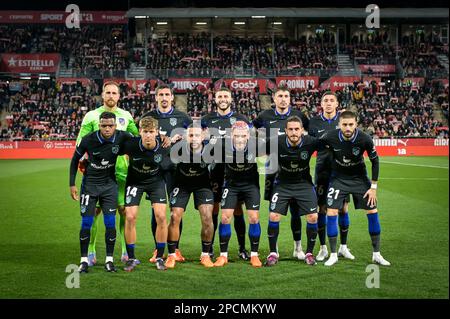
(110, 221)
(87, 222)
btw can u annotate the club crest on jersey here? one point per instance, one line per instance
(121, 121)
(173, 121)
(115, 149)
(232, 120)
(304, 155)
(173, 200)
(249, 157)
(157, 158)
(356, 151)
(83, 209)
(329, 201)
(128, 199)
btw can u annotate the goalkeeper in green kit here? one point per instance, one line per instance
(125, 122)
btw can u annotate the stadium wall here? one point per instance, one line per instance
(65, 149)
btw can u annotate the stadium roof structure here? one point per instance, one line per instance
(285, 12)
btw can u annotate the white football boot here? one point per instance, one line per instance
(345, 252)
(378, 259)
(332, 260)
(323, 253)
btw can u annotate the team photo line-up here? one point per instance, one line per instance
(170, 157)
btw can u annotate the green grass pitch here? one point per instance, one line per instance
(39, 237)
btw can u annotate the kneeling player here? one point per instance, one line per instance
(191, 177)
(293, 182)
(349, 176)
(241, 182)
(99, 184)
(144, 175)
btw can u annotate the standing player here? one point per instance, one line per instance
(169, 119)
(125, 122)
(241, 181)
(293, 182)
(144, 175)
(273, 121)
(349, 176)
(191, 177)
(99, 184)
(318, 126)
(217, 124)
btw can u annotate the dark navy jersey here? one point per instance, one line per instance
(144, 163)
(217, 124)
(271, 119)
(170, 120)
(318, 126)
(174, 119)
(241, 167)
(348, 156)
(192, 170)
(102, 156)
(293, 161)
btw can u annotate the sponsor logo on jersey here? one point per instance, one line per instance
(346, 160)
(173, 121)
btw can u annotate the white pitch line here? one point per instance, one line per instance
(418, 165)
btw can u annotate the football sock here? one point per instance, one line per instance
(123, 243)
(206, 247)
(215, 218)
(94, 230)
(344, 223)
(85, 235)
(296, 225)
(224, 236)
(322, 230)
(160, 249)
(171, 246)
(332, 230)
(272, 232)
(181, 229)
(311, 234)
(374, 231)
(110, 240)
(254, 233)
(154, 225)
(239, 227)
(130, 251)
